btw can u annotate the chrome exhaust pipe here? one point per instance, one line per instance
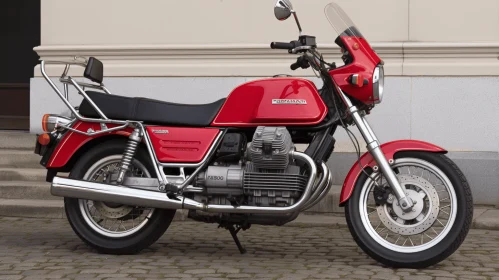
(322, 188)
(325, 190)
(117, 194)
(139, 197)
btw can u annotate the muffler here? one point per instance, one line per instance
(140, 197)
(117, 194)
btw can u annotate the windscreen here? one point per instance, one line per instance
(340, 21)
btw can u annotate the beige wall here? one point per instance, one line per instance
(152, 37)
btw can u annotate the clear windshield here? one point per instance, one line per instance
(340, 21)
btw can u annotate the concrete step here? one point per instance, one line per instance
(19, 159)
(17, 140)
(32, 208)
(329, 204)
(35, 208)
(23, 174)
(26, 190)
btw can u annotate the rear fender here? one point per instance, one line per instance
(71, 143)
(389, 149)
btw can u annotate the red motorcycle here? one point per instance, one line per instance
(134, 161)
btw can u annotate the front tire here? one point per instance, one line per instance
(101, 225)
(430, 233)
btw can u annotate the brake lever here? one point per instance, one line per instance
(300, 49)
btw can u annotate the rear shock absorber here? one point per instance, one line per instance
(129, 153)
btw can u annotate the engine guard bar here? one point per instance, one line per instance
(132, 196)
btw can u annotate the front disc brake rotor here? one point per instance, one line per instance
(424, 212)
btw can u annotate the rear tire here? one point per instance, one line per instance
(83, 222)
(439, 246)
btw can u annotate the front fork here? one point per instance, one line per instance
(374, 149)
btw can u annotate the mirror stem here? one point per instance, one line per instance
(297, 21)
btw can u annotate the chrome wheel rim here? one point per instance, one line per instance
(109, 219)
(385, 223)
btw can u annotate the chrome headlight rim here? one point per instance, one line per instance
(378, 83)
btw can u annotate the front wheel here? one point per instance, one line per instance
(432, 231)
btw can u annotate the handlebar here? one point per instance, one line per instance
(305, 44)
(281, 45)
(285, 46)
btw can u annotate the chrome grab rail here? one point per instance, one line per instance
(66, 80)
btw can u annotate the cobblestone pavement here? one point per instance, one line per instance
(43, 248)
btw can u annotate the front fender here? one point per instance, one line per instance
(389, 149)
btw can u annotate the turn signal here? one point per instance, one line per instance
(358, 80)
(45, 120)
(44, 139)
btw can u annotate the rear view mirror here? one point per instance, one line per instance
(283, 9)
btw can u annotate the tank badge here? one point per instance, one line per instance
(289, 101)
(162, 131)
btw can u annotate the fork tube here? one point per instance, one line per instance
(375, 150)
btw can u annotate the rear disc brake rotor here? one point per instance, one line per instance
(112, 212)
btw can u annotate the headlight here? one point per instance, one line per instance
(378, 83)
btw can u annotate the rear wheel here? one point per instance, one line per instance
(432, 231)
(110, 227)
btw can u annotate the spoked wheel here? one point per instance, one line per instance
(433, 230)
(113, 219)
(112, 227)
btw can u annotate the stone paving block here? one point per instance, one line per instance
(36, 248)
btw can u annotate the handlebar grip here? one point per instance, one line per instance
(281, 45)
(294, 66)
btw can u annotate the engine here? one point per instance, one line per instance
(259, 173)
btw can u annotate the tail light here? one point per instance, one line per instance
(51, 122)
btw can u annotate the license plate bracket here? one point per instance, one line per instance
(38, 146)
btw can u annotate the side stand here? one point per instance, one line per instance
(233, 231)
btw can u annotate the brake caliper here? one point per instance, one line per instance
(381, 194)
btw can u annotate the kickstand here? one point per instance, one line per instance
(233, 231)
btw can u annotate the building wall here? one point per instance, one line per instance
(441, 58)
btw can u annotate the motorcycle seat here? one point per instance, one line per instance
(150, 111)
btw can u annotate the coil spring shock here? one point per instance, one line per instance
(129, 153)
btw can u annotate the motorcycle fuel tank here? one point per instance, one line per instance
(275, 101)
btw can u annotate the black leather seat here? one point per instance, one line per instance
(150, 111)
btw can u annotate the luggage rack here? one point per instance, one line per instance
(94, 72)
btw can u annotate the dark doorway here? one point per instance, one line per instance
(19, 34)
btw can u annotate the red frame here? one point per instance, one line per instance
(389, 149)
(250, 104)
(364, 62)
